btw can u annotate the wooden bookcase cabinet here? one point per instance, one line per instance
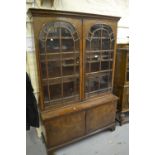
(121, 82)
(75, 59)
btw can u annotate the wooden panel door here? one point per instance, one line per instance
(101, 116)
(66, 128)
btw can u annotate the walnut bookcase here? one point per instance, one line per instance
(75, 59)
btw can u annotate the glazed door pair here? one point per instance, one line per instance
(75, 60)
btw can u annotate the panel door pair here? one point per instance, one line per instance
(75, 65)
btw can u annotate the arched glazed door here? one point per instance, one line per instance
(59, 51)
(99, 52)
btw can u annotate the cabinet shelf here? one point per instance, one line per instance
(50, 102)
(58, 60)
(57, 80)
(124, 49)
(98, 91)
(98, 51)
(48, 53)
(91, 51)
(59, 38)
(100, 60)
(70, 65)
(99, 72)
(100, 38)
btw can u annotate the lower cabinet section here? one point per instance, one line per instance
(65, 128)
(99, 117)
(74, 123)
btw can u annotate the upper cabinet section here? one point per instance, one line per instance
(75, 55)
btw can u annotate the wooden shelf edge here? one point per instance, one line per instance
(49, 12)
(78, 106)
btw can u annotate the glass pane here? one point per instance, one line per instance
(87, 85)
(94, 84)
(97, 34)
(75, 36)
(88, 45)
(43, 66)
(68, 69)
(95, 66)
(53, 57)
(105, 65)
(77, 46)
(95, 27)
(104, 82)
(67, 45)
(87, 67)
(55, 91)
(54, 32)
(95, 61)
(42, 46)
(88, 61)
(105, 44)
(96, 44)
(77, 59)
(54, 68)
(45, 90)
(53, 45)
(77, 85)
(68, 89)
(105, 34)
(77, 69)
(70, 63)
(112, 44)
(68, 56)
(95, 57)
(105, 55)
(65, 32)
(70, 86)
(43, 69)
